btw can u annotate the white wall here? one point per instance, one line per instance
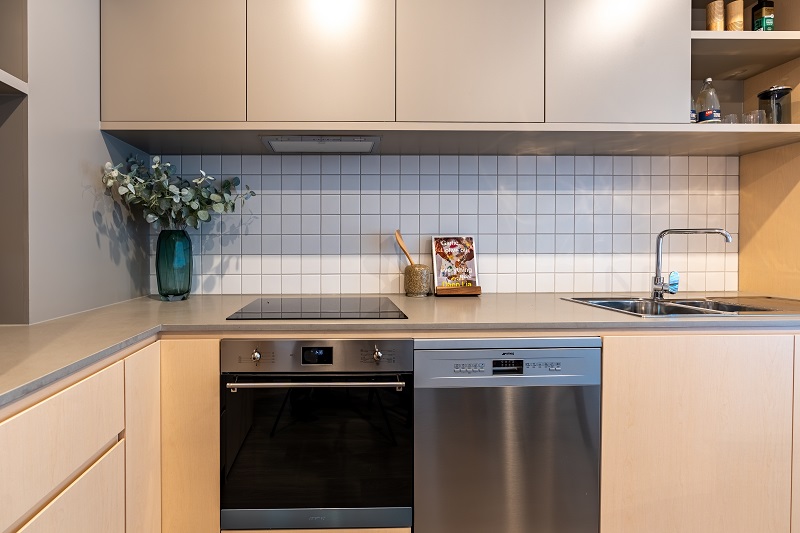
(325, 224)
(83, 254)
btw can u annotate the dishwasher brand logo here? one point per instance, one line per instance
(316, 518)
(506, 353)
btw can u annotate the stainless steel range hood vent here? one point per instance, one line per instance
(321, 144)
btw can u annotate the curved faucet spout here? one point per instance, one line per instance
(659, 286)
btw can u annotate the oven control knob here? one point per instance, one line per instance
(256, 357)
(377, 355)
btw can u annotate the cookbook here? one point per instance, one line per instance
(454, 263)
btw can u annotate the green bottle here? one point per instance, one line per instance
(764, 15)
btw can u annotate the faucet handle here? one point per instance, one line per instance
(674, 280)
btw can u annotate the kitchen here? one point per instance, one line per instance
(639, 174)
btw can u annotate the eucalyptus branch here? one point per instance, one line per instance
(171, 200)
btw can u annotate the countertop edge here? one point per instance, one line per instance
(20, 392)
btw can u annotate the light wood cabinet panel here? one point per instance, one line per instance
(697, 434)
(317, 60)
(470, 61)
(180, 60)
(796, 440)
(45, 445)
(617, 61)
(190, 436)
(93, 503)
(143, 440)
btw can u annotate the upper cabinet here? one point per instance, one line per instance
(617, 62)
(181, 60)
(552, 76)
(470, 61)
(320, 60)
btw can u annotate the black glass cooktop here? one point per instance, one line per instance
(295, 308)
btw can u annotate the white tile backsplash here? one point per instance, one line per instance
(325, 224)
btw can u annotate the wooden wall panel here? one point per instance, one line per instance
(769, 214)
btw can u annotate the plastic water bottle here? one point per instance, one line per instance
(708, 110)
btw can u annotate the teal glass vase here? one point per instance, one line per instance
(174, 264)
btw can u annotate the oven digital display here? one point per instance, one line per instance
(317, 355)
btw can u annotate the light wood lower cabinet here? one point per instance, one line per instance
(45, 447)
(143, 440)
(190, 436)
(796, 440)
(697, 433)
(93, 503)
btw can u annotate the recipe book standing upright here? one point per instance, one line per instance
(454, 266)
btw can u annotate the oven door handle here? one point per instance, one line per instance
(397, 385)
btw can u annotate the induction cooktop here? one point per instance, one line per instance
(312, 308)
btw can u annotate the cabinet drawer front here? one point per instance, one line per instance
(93, 503)
(46, 444)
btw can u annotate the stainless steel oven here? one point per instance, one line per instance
(316, 434)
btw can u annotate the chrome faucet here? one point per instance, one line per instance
(671, 285)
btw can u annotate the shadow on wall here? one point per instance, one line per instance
(117, 229)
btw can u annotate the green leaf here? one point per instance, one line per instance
(150, 218)
(215, 197)
(174, 190)
(203, 215)
(218, 207)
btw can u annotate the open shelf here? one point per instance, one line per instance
(463, 138)
(738, 55)
(11, 84)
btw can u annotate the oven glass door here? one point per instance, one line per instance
(303, 451)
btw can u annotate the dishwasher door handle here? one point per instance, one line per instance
(397, 385)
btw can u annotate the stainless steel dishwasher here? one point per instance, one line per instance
(507, 435)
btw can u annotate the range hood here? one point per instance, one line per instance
(319, 144)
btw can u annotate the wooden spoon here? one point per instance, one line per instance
(402, 245)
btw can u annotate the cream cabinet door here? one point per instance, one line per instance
(181, 60)
(143, 440)
(190, 440)
(697, 434)
(470, 60)
(622, 61)
(320, 60)
(93, 503)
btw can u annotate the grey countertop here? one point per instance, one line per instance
(35, 356)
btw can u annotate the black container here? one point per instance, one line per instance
(777, 102)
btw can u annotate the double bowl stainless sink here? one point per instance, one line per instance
(734, 306)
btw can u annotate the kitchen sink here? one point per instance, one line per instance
(641, 306)
(725, 307)
(653, 307)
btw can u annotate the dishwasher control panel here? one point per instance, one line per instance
(489, 367)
